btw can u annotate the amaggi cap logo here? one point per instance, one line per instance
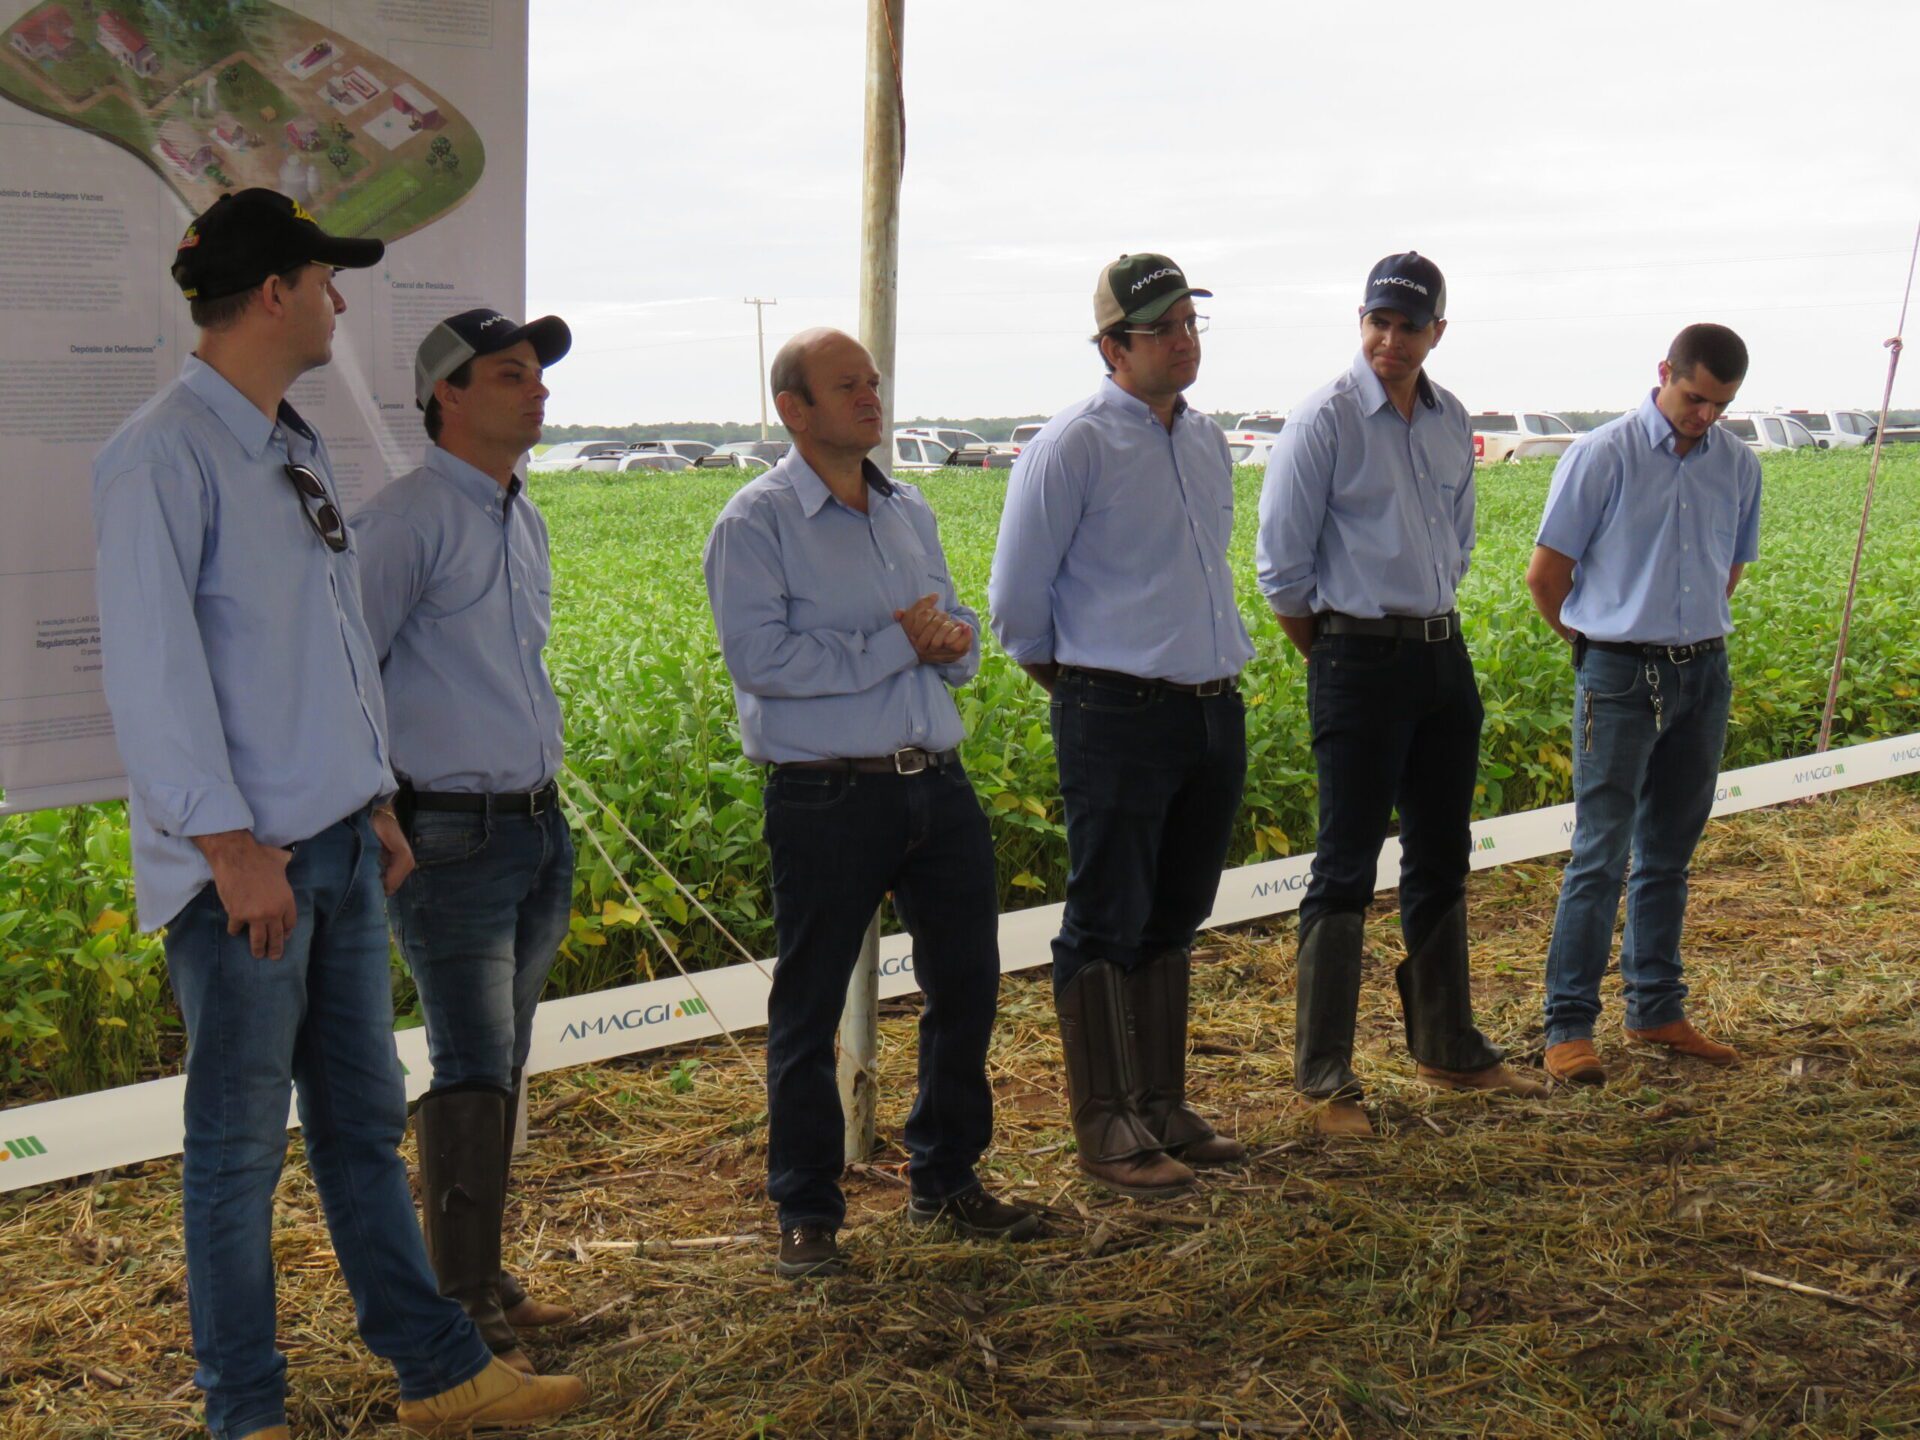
(1146, 280)
(1402, 280)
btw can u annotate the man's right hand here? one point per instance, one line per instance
(937, 638)
(251, 881)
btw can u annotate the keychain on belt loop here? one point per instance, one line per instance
(1653, 690)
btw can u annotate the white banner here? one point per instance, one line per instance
(78, 1136)
(402, 119)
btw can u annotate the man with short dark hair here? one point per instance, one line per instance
(1649, 525)
(1366, 528)
(841, 631)
(1111, 588)
(455, 579)
(247, 706)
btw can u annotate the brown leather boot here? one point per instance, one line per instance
(1492, 1079)
(1157, 996)
(1573, 1062)
(1436, 999)
(1339, 1118)
(1117, 1147)
(523, 1312)
(1681, 1038)
(498, 1398)
(461, 1199)
(272, 1432)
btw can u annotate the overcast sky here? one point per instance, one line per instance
(1590, 178)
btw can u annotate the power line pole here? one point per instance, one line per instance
(760, 330)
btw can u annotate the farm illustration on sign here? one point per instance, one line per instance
(216, 97)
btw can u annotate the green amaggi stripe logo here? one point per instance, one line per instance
(1484, 843)
(25, 1148)
(690, 1006)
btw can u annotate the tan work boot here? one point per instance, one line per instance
(530, 1314)
(272, 1432)
(1681, 1038)
(1336, 1118)
(1490, 1079)
(498, 1398)
(1573, 1062)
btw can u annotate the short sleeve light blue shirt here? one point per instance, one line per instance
(1654, 535)
(1113, 545)
(803, 590)
(1363, 512)
(243, 685)
(457, 585)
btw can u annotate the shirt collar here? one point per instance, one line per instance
(813, 491)
(1111, 392)
(470, 482)
(239, 414)
(1373, 394)
(1659, 429)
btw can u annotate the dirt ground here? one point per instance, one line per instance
(1687, 1252)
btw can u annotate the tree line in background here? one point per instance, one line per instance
(998, 427)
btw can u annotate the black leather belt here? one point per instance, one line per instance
(1205, 689)
(1678, 654)
(910, 761)
(1430, 628)
(526, 802)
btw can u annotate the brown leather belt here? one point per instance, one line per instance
(1430, 628)
(1678, 654)
(1206, 688)
(910, 761)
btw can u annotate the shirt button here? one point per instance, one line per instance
(523, 644)
(1686, 547)
(1686, 589)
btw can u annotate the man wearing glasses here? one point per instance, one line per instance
(455, 579)
(1366, 526)
(246, 699)
(1111, 588)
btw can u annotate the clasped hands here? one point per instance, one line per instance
(938, 638)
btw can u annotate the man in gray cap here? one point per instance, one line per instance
(455, 582)
(1366, 526)
(1111, 588)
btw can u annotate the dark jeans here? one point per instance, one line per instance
(838, 843)
(318, 1022)
(480, 921)
(1643, 787)
(1396, 726)
(1151, 779)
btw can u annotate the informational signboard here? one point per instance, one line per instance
(122, 119)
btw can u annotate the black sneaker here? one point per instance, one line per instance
(808, 1250)
(977, 1215)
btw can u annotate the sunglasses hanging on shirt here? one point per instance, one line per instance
(323, 517)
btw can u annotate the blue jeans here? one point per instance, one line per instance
(319, 1022)
(838, 843)
(1643, 782)
(480, 921)
(1151, 780)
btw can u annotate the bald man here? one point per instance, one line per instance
(840, 628)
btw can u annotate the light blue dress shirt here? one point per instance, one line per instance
(1365, 513)
(244, 689)
(1113, 545)
(803, 591)
(1653, 535)
(457, 585)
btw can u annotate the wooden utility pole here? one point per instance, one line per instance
(760, 332)
(879, 293)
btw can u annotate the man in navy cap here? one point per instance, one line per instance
(1366, 526)
(455, 580)
(246, 700)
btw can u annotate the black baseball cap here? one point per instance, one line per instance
(458, 338)
(244, 237)
(1409, 283)
(1139, 287)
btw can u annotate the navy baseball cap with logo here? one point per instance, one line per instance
(1139, 287)
(245, 236)
(457, 339)
(1409, 283)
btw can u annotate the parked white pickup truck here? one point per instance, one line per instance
(1837, 429)
(1525, 435)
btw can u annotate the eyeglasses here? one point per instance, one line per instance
(324, 519)
(1167, 329)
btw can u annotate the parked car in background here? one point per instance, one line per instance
(653, 460)
(580, 455)
(767, 452)
(1768, 432)
(691, 449)
(917, 454)
(984, 456)
(947, 435)
(1250, 448)
(1837, 429)
(1023, 435)
(1524, 435)
(1264, 422)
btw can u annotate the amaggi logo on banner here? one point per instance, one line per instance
(635, 1019)
(25, 1148)
(1285, 885)
(1485, 842)
(1818, 772)
(897, 965)
(1726, 792)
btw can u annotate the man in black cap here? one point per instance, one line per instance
(455, 580)
(1366, 526)
(1111, 588)
(247, 705)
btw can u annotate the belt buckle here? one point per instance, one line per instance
(539, 801)
(910, 761)
(1445, 622)
(1680, 654)
(1207, 689)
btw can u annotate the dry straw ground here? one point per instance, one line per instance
(1684, 1253)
